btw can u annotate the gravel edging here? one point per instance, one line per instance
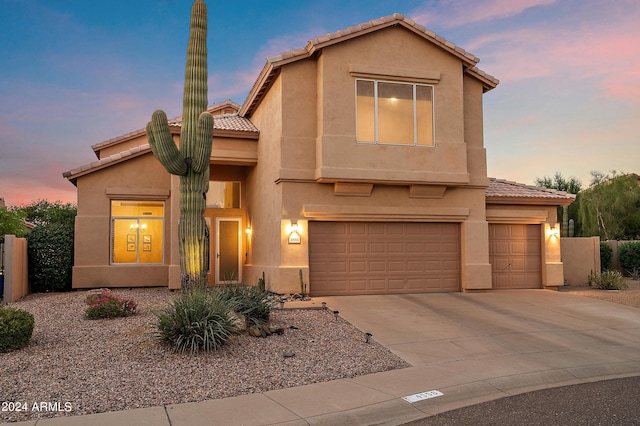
(78, 366)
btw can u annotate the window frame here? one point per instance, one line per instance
(139, 245)
(415, 116)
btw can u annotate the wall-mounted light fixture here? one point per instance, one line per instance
(248, 230)
(554, 230)
(294, 232)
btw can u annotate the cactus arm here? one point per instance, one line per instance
(162, 145)
(204, 138)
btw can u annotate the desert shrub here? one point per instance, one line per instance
(197, 320)
(606, 255)
(634, 274)
(253, 302)
(16, 328)
(608, 280)
(108, 305)
(629, 256)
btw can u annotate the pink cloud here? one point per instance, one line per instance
(454, 13)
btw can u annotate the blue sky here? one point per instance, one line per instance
(75, 73)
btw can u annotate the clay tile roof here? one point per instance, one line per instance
(273, 64)
(222, 123)
(501, 190)
(231, 122)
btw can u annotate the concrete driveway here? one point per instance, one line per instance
(475, 347)
(464, 348)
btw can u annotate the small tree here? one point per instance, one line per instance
(611, 208)
(571, 185)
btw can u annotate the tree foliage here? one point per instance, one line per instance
(610, 208)
(572, 185)
(12, 223)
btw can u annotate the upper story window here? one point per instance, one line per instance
(394, 113)
(137, 229)
(223, 195)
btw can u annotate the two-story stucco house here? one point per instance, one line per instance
(358, 159)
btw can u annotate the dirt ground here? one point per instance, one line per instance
(629, 296)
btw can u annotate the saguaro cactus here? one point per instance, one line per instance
(191, 160)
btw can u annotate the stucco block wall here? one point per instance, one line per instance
(580, 257)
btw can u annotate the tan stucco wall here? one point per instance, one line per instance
(16, 276)
(139, 178)
(308, 141)
(580, 257)
(264, 195)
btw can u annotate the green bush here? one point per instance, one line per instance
(629, 256)
(253, 302)
(608, 280)
(50, 245)
(109, 305)
(50, 254)
(606, 255)
(16, 328)
(197, 320)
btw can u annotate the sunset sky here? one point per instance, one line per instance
(74, 73)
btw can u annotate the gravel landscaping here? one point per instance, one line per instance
(629, 296)
(78, 366)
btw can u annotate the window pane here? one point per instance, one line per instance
(150, 243)
(365, 111)
(223, 195)
(395, 113)
(138, 236)
(424, 115)
(125, 240)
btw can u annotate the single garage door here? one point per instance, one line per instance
(348, 258)
(514, 254)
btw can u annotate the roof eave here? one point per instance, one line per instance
(538, 201)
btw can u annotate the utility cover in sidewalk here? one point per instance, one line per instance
(422, 396)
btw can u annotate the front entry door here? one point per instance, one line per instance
(228, 267)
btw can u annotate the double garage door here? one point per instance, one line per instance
(348, 258)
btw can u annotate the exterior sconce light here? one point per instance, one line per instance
(554, 231)
(248, 230)
(294, 232)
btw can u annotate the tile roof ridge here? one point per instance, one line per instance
(531, 187)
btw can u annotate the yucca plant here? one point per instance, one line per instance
(253, 302)
(197, 320)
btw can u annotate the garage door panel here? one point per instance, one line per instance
(515, 255)
(384, 257)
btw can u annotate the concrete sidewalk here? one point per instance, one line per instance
(470, 348)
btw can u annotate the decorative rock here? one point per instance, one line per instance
(288, 354)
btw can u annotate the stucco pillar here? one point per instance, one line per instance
(475, 268)
(552, 270)
(294, 256)
(16, 284)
